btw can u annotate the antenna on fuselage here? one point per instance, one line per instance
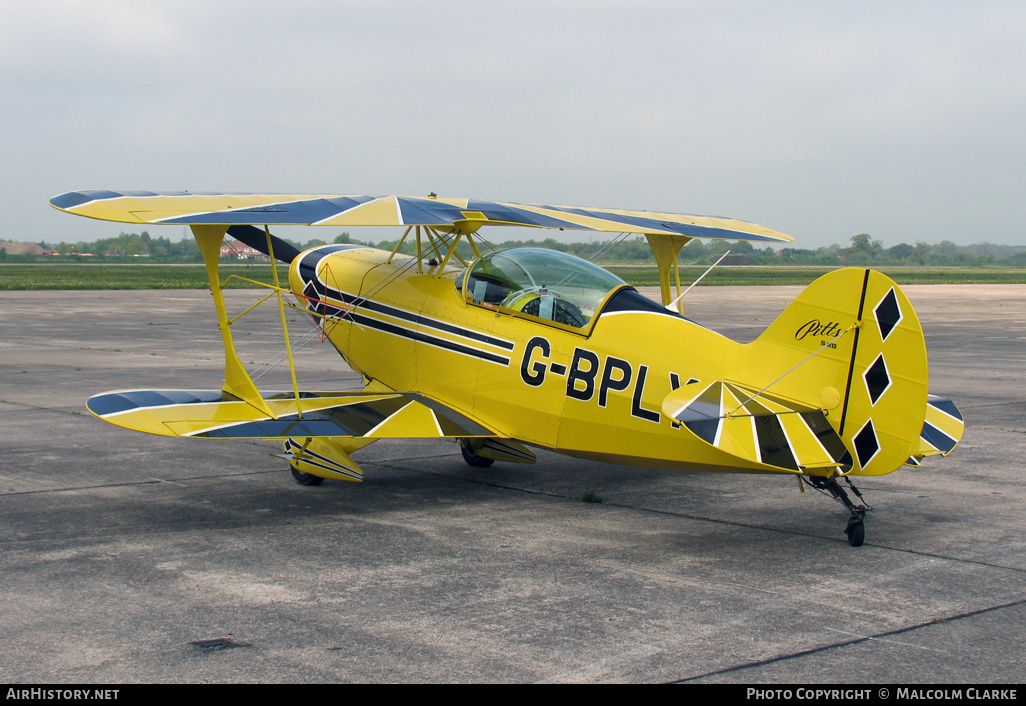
(672, 306)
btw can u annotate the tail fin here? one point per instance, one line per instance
(851, 344)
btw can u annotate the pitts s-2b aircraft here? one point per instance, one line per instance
(529, 347)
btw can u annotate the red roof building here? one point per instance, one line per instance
(239, 251)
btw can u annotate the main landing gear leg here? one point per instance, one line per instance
(855, 529)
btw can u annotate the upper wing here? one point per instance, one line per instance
(146, 207)
(213, 414)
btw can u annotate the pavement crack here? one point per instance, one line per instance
(26, 405)
(129, 484)
(856, 639)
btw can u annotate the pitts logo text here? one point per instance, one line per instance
(816, 328)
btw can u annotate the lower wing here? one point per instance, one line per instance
(215, 414)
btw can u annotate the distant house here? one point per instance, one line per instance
(235, 249)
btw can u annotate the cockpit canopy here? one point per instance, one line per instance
(542, 283)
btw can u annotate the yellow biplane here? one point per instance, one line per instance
(527, 347)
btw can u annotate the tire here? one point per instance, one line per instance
(305, 478)
(473, 459)
(856, 531)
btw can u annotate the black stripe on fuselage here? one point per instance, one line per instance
(426, 338)
(326, 292)
(308, 273)
(412, 317)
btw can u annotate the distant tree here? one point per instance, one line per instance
(901, 252)
(159, 247)
(695, 250)
(922, 252)
(945, 251)
(798, 256)
(863, 249)
(861, 242)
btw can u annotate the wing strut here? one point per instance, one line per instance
(437, 242)
(237, 381)
(284, 323)
(665, 249)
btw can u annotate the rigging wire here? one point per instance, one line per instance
(608, 248)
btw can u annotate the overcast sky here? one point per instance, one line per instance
(905, 120)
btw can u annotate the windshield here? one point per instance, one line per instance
(544, 283)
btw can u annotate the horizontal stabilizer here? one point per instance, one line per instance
(942, 429)
(214, 414)
(758, 427)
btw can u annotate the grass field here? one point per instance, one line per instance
(648, 275)
(134, 276)
(90, 276)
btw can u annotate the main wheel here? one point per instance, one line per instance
(473, 459)
(305, 478)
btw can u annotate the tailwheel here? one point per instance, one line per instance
(856, 531)
(471, 457)
(305, 478)
(856, 527)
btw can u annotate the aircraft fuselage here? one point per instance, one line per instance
(594, 393)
